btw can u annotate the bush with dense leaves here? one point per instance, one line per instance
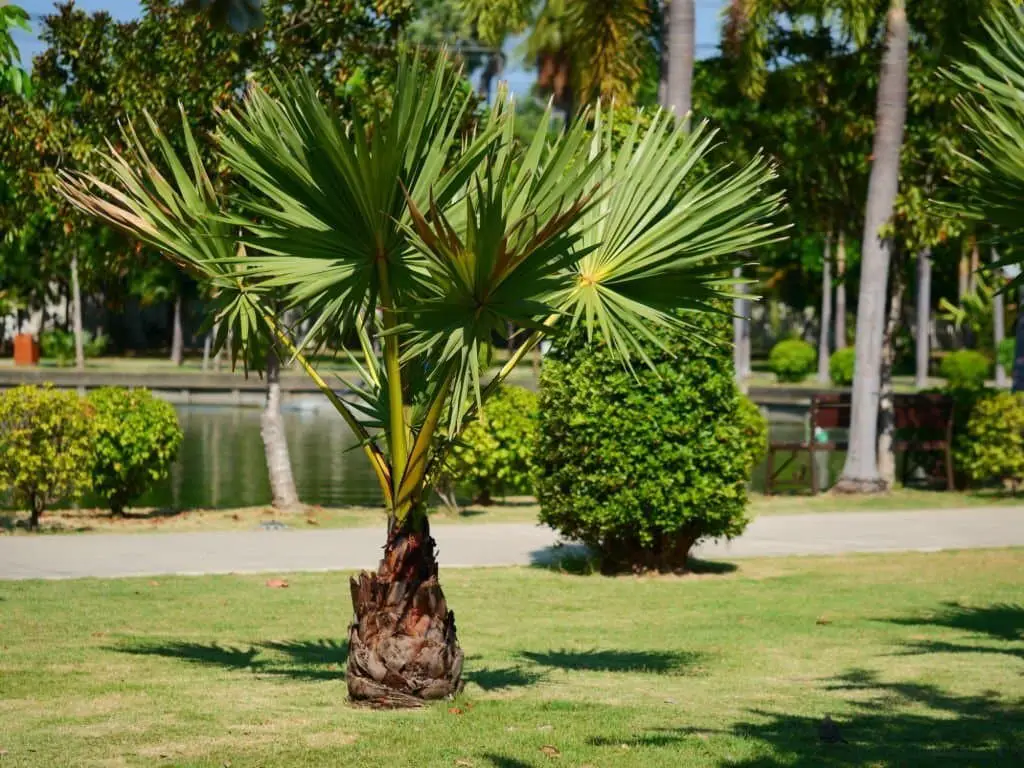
(46, 439)
(641, 465)
(1006, 354)
(59, 345)
(993, 445)
(965, 369)
(494, 454)
(137, 438)
(792, 360)
(840, 366)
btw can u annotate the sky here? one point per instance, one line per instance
(520, 77)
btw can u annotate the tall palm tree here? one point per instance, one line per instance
(451, 238)
(993, 113)
(681, 53)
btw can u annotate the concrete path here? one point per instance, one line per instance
(103, 555)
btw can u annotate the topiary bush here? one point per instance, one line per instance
(792, 360)
(840, 366)
(1007, 354)
(137, 438)
(993, 448)
(45, 447)
(641, 466)
(494, 454)
(965, 369)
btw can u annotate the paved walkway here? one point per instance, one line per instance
(71, 556)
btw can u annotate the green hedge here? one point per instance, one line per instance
(641, 465)
(792, 360)
(840, 366)
(993, 444)
(965, 369)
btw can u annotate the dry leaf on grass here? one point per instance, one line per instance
(551, 750)
(277, 583)
(454, 711)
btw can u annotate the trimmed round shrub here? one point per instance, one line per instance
(137, 438)
(965, 369)
(840, 366)
(46, 439)
(792, 360)
(993, 448)
(494, 454)
(1007, 354)
(642, 465)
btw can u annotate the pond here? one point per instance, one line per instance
(221, 462)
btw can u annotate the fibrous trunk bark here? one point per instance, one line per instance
(887, 406)
(998, 326)
(76, 315)
(275, 446)
(681, 42)
(922, 330)
(177, 333)
(840, 334)
(403, 648)
(860, 473)
(826, 311)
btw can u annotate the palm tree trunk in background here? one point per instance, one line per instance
(76, 314)
(840, 311)
(1018, 351)
(663, 62)
(207, 345)
(740, 332)
(681, 50)
(922, 330)
(860, 473)
(998, 325)
(279, 465)
(975, 265)
(826, 311)
(887, 406)
(177, 332)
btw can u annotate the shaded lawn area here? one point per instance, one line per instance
(515, 509)
(919, 658)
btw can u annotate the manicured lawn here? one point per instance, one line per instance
(897, 500)
(919, 658)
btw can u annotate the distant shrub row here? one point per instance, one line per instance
(55, 445)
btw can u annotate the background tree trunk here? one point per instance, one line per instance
(860, 473)
(177, 332)
(1018, 352)
(826, 311)
(740, 332)
(998, 323)
(887, 407)
(279, 465)
(922, 330)
(76, 315)
(681, 51)
(840, 334)
(207, 345)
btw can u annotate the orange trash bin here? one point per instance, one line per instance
(26, 349)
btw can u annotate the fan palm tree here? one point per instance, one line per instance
(993, 111)
(450, 237)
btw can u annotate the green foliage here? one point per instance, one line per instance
(12, 77)
(641, 465)
(137, 438)
(792, 360)
(840, 366)
(59, 345)
(45, 446)
(494, 454)
(994, 444)
(1007, 354)
(965, 369)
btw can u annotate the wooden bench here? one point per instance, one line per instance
(923, 428)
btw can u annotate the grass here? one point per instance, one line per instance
(515, 509)
(919, 658)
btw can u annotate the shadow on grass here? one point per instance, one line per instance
(501, 761)
(577, 560)
(664, 662)
(1000, 621)
(653, 737)
(305, 659)
(498, 678)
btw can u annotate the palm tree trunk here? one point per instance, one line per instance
(681, 42)
(860, 473)
(207, 344)
(740, 331)
(177, 332)
(998, 327)
(887, 406)
(1018, 351)
(279, 465)
(840, 334)
(923, 322)
(403, 648)
(826, 311)
(76, 314)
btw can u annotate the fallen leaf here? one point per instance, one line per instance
(454, 711)
(236, 516)
(551, 750)
(277, 583)
(154, 583)
(545, 727)
(311, 521)
(464, 763)
(670, 701)
(3, 752)
(822, 621)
